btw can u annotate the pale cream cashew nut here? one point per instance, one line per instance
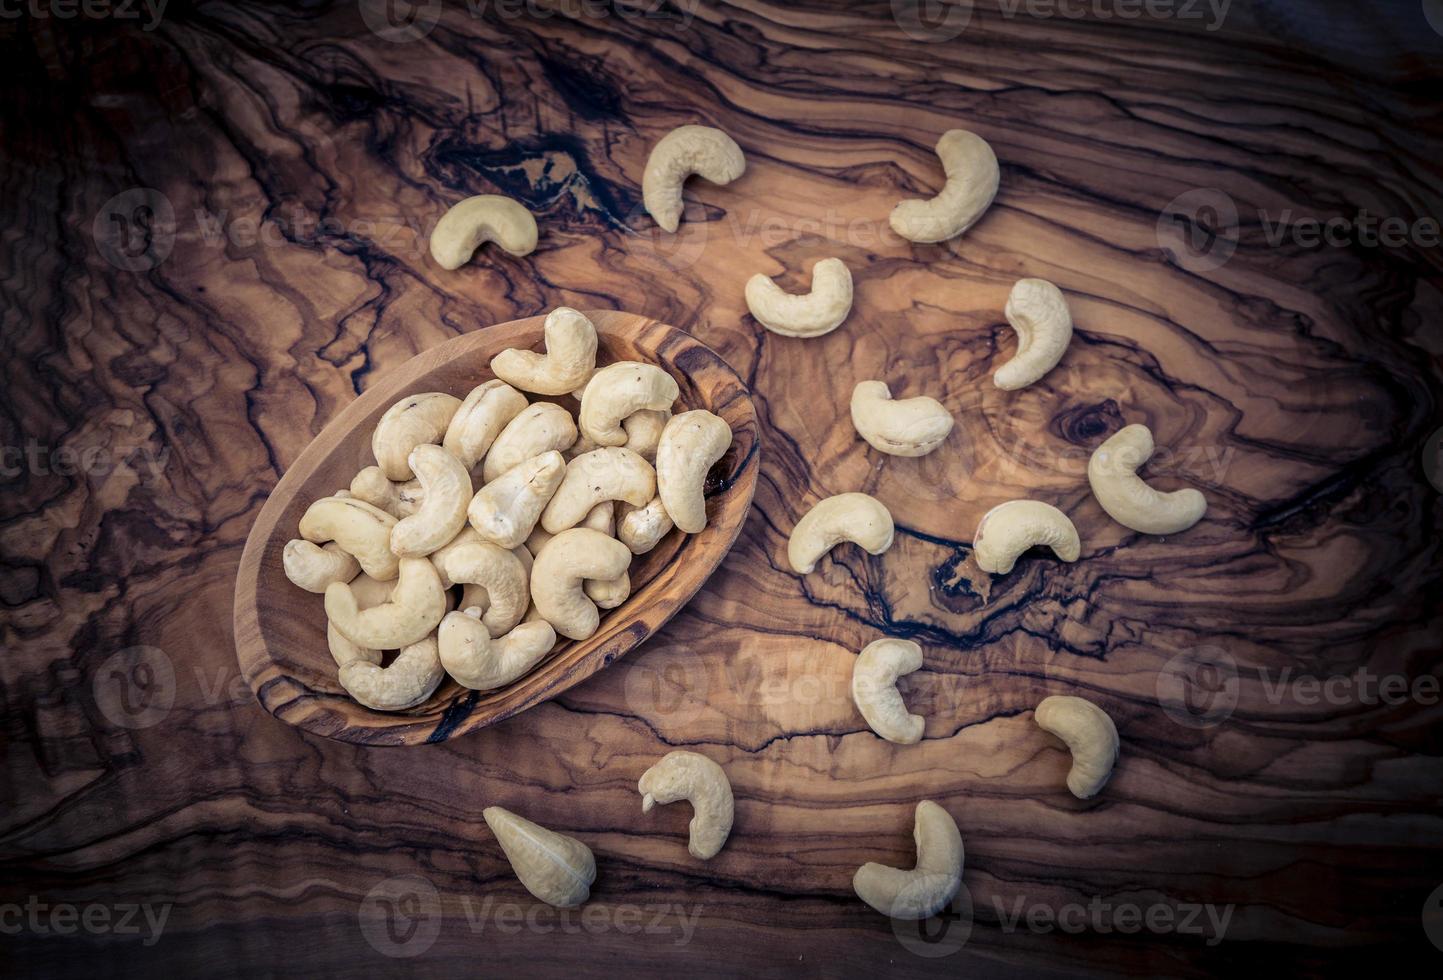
(617, 391)
(925, 890)
(407, 424)
(313, 567)
(689, 776)
(1112, 471)
(854, 517)
(709, 153)
(477, 660)
(476, 220)
(361, 530)
(972, 179)
(874, 689)
(500, 573)
(803, 314)
(642, 528)
(557, 869)
(601, 518)
(899, 427)
(611, 473)
(1037, 311)
(487, 410)
(397, 499)
(412, 677)
(506, 510)
(446, 492)
(368, 592)
(643, 431)
(1009, 529)
(691, 443)
(415, 607)
(536, 429)
(1090, 736)
(564, 564)
(608, 593)
(567, 364)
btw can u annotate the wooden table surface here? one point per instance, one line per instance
(215, 237)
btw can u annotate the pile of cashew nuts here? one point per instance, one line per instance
(624, 412)
(531, 515)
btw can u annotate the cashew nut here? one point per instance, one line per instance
(643, 431)
(480, 419)
(396, 499)
(601, 518)
(612, 473)
(565, 562)
(480, 219)
(476, 595)
(1038, 312)
(608, 593)
(925, 890)
(360, 529)
(445, 492)
(568, 362)
(807, 315)
(467, 535)
(416, 605)
(481, 662)
(972, 178)
(905, 427)
(313, 567)
(1090, 735)
(874, 689)
(690, 444)
(500, 573)
(537, 539)
(535, 430)
(642, 528)
(854, 517)
(683, 775)
(557, 869)
(407, 424)
(369, 592)
(618, 390)
(1112, 471)
(1009, 529)
(505, 510)
(687, 150)
(411, 678)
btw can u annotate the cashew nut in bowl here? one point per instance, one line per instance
(601, 518)
(313, 567)
(689, 776)
(537, 539)
(535, 430)
(899, 427)
(608, 593)
(480, 419)
(1037, 311)
(643, 431)
(368, 592)
(396, 499)
(361, 530)
(416, 605)
(411, 678)
(467, 535)
(803, 315)
(691, 443)
(446, 492)
(506, 510)
(925, 890)
(564, 564)
(612, 473)
(500, 573)
(1112, 471)
(642, 528)
(567, 364)
(557, 869)
(1090, 735)
(972, 179)
(1009, 529)
(854, 517)
(617, 391)
(874, 689)
(709, 153)
(480, 219)
(407, 424)
(477, 660)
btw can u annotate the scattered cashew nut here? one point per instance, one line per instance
(313, 567)
(854, 517)
(536, 429)
(874, 689)
(557, 869)
(410, 679)
(687, 150)
(690, 444)
(361, 530)
(926, 889)
(445, 493)
(1037, 311)
(484, 218)
(564, 564)
(487, 410)
(567, 364)
(416, 605)
(803, 315)
(477, 660)
(407, 424)
(972, 179)
(506, 510)
(1009, 529)
(617, 391)
(611, 473)
(1090, 735)
(899, 427)
(1112, 471)
(689, 776)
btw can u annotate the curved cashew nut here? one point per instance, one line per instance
(1009, 529)
(566, 561)
(484, 218)
(903, 427)
(416, 605)
(445, 493)
(537, 539)
(536, 429)
(874, 689)
(1112, 471)
(1037, 310)
(690, 444)
(687, 150)
(396, 499)
(480, 419)
(643, 431)
(926, 889)
(500, 573)
(557, 869)
(608, 593)
(506, 510)
(612, 473)
(407, 424)
(467, 535)
(313, 567)
(476, 660)
(803, 315)
(689, 776)
(601, 518)
(617, 391)
(474, 595)
(360, 529)
(854, 517)
(369, 592)
(1090, 735)
(972, 179)
(410, 679)
(642, 528)
(567, 364)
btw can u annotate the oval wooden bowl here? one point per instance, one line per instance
(280, 630)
